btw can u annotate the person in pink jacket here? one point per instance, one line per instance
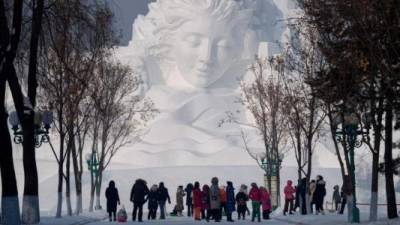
(265, 203)
(289, 197)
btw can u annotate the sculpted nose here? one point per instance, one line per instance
(207, 52)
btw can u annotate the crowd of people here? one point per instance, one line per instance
(212, 202)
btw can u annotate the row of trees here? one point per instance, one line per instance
(342, 61)
(96, 100)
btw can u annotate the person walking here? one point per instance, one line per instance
(196, 192)
(241, 200)
(230, 201)
(180, 193)
(319, 195)
(336, 198)
(265, 203)
(138, 197)
(255, 197)
(289, 197)
(112, 200)
(189, 199)
(152, 203)
(162, 197)
(215, 200)
(205, 203)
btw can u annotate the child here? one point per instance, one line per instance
(205, 202)
(197, 200)
(112, 200)
(152, 203)
(255, 197)
(289, 197)
(222, 194)
(241, 200)
(180, 193)
(265, 202)
(122, 216)
(336, 199)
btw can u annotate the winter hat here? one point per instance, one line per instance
(214, 181)
(154, 187)
(289, 182)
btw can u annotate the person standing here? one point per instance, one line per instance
(197, 200)
(230, 201)
(255, 197)
(320, 192)
(189, 199)
(222, 194)
(180, 193)
(265, 203)
(138, 197)
(336, 198)
(112, 200)
(241, 200)
(344, 201)
(162, 197)
(302, 189)
(215, 200)
(289, 192)
(205, 202)
(311, 191)
(152, 202)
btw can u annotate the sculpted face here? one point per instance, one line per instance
(205, 48)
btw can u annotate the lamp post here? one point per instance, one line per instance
(93, 166)
(42, 123)
(271, 168)
(348, 129)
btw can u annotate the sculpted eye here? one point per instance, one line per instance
(224, 44)
(192, 40)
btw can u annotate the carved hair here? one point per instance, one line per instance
(156, 30)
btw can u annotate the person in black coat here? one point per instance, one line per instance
(152, 203)
(162, 197)
(112, 200)
(319, 195)
(189, 199)
(138, 197)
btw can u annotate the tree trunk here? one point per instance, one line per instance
(92, 191)
(373, 211)
(30, 206)
(10, 213)
(98, 190)
(390, 191)
(78, 178)
(60, 177)
(67, 182)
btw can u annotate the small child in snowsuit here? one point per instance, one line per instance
(180, 193)
(241, 200)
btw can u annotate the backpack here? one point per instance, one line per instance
(122, 216)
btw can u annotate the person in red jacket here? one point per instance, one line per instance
(255, 197)
(289, 197)
(197, 200)
(265, 203)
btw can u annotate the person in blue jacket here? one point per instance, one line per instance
(230, 201)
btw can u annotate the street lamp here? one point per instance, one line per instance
(93, 166)
(348, 129)
(42, 124)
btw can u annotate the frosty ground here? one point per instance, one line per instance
(98, 218)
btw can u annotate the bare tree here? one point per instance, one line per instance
(120, 114)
